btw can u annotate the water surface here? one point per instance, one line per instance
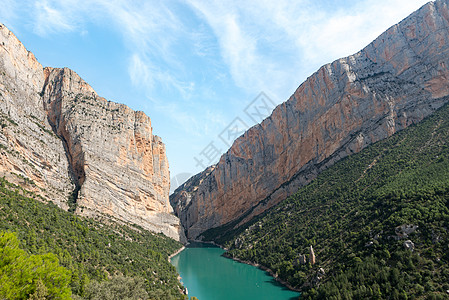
(209, 276)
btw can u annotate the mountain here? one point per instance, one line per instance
(378, 222)
(61, 140)
(347, 105)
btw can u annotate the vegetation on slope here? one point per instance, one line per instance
(92, 253)
(24, 276)
(352, 216)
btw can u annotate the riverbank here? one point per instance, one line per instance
(185, 291)
(176, 253)
(268, 270)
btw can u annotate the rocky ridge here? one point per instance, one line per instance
(61, 140)
(396, 81)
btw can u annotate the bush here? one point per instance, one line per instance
(118, 287)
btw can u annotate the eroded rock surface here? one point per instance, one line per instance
(61, 140)
(397, 80)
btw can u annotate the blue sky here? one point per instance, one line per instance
(196, 67)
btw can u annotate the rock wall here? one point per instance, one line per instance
(63, 141)
(30, 153)
(394, 82)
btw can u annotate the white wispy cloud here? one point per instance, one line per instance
(140, 72)
(204, 44)
(152, 33)
(343, 32)
(53, 17)
(238, 43)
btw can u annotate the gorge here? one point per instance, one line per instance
(342, 192)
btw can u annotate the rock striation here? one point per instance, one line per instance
(397, 80)
(31, 154)
(61, 140)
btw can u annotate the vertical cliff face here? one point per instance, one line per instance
(119, 166)
(63, 141)
(396, 81)
(30, 153)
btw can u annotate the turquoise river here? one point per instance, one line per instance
(209, 276)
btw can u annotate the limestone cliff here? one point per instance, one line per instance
(31, 154)
(395, 81)
(61, 140)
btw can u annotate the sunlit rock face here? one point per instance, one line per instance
(62, 141)
(397, 80)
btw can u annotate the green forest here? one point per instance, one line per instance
(48, 253)
(378, 222)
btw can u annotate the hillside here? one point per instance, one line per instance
(95, 254)
(378, 222)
